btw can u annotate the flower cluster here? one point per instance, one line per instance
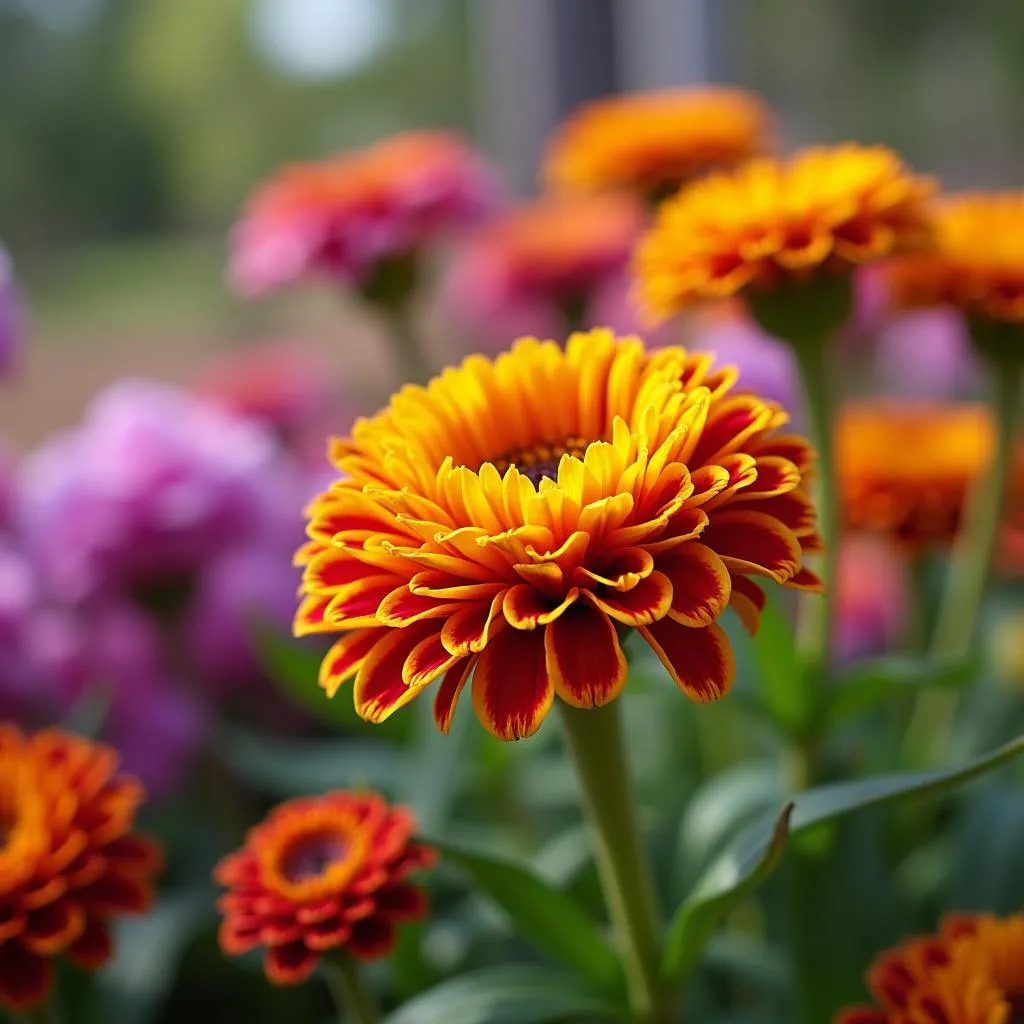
(321, 874)
(69, 860)
(511, 518)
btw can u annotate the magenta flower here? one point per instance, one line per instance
(344, 216)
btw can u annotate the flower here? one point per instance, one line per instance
(151, 485)
(553, 254)
(70, 861)
(823, 211)
(10, 317)
(978, 262)
(972, 972)
(651, 142)
(319, 874)
(343, 216)
(904, 470)
(509, 519)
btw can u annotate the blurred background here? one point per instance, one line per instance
(133, 131)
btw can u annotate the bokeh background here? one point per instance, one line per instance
(133, 131)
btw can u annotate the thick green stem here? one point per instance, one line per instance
(594, 738)
(352, 999)
(816, 616)
(972, 558)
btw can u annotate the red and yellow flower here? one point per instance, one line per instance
(651, 142)
(972, 972)
(320, 874)
(978, 262)
(824, 211)
(513, 518)
(69, 860)
(905, 470)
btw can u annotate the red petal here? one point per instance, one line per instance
(511, 689)
(401, 903)
(525, 607)
(747, 601)
(135, 853)
(310, 617)
(751, 542)
(584, 660)
(469, 629)
(116, 894)
(379, 689)
(25, 980)
(402, 607)
(356, 604)
(806, 580)
(775, 476)
(730, 423)
(426, 661)
(327, 934)
(789, 446)
(862, 1015)
(51, 929)
(700, 583)
(449, 691)
(793, 509)
(345, 657)
(371, 939)
(623, 571)
(685, 525)
(648, 601)
(288, 965)
(93, 947)
(700, 661)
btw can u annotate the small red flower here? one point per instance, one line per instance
(69, 860)
(321, 873)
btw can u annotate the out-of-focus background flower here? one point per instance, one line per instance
(160, 434)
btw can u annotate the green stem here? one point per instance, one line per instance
(815, 630)
(594, 738)
(413, 365)
(972, 557)
(48, 1013)
(352, 999)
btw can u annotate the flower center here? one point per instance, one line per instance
(311, 856)
(540, 460)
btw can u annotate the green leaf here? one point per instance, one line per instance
(875, 682)
(754, 855)
(541, 913)
(287, 768)
(506, 995)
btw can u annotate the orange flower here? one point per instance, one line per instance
(654, 141)
(972, 972)
(552, 250)
(978, 265)
(344, 216)
(823, 211)
(905, 470)
(321, 873)
(69, 860)
(514, 517)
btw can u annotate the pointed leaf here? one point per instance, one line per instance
(507, 995)
(754, 855)
(542, 913)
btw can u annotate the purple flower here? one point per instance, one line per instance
(927, 354)
(872, 597)
(154, 483)
(11, 333)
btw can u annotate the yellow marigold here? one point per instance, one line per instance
(905, 469)
(972, 972)
(652, 142)
(978, 265)
(823, 211)
(513, 517)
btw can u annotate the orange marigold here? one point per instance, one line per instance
(972, 972)
(978, 263)
(318, 874)
(904, 470)
(69, 860)
(514, 517)
(825, 210)
(652, 142)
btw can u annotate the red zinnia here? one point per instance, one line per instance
(69, 860)
(321, 873)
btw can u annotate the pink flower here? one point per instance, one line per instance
(344, 216)
(873, 597)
